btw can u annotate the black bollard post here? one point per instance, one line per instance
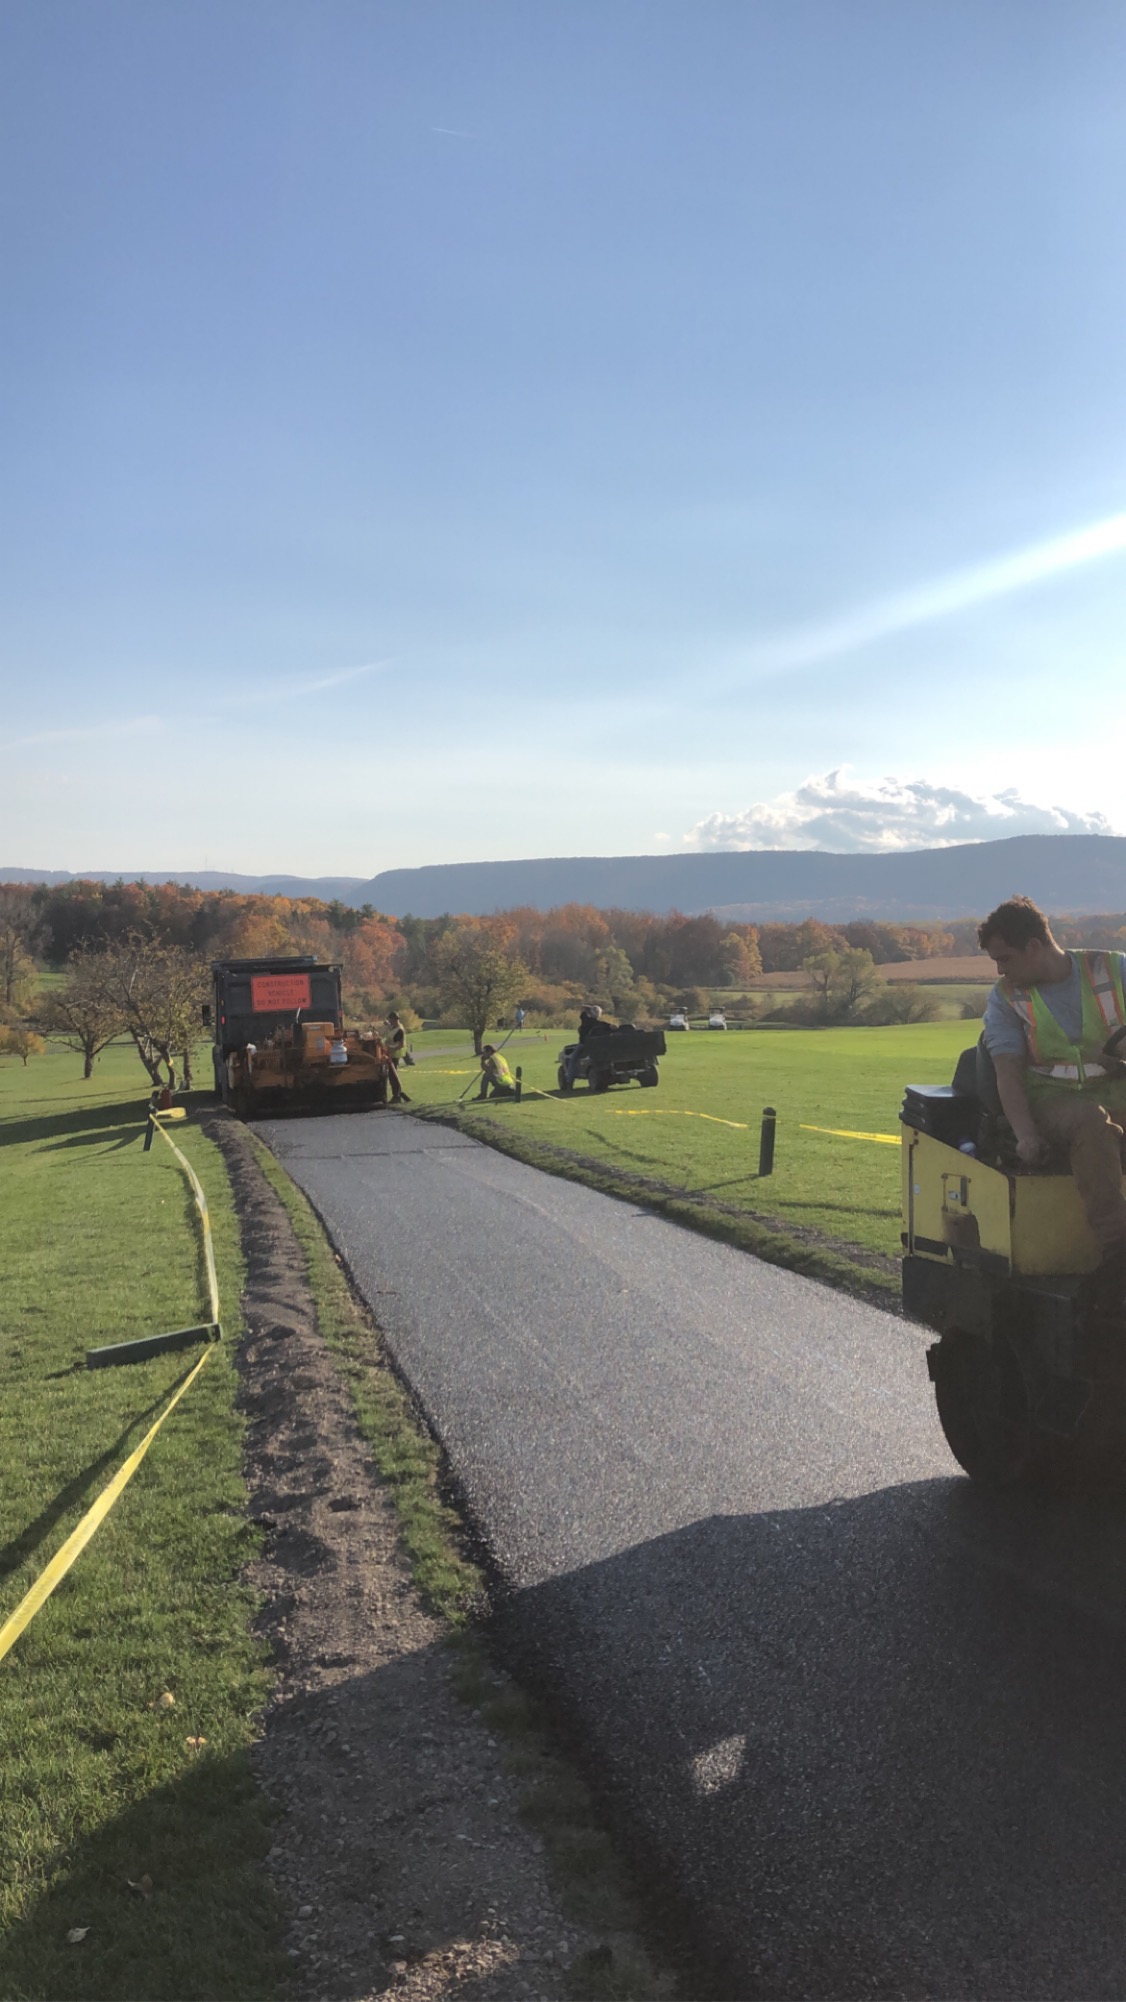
(150, 1129)
(519, 1083)
(766, 1141)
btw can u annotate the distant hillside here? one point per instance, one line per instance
(1076, 873)
(325, 887)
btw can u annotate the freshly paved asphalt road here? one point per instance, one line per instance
(871, 1720)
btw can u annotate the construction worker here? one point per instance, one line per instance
(397, 1039)
(496, 1077)
(1046, 1024)
(590, 1024)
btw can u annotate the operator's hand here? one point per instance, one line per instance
(1032, 1150)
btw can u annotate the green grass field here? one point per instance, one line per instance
(138, 1820)
(699, 1129)
(134, 1818)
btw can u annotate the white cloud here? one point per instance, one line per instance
(880, 816)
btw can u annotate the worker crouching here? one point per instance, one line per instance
(497, 1080)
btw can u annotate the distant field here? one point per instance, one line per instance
(699, 1129)
(973, 968)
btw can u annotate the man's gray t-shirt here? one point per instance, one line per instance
(1002, 1027)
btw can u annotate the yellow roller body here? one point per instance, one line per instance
(958, 1210)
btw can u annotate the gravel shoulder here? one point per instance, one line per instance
(400, 1852)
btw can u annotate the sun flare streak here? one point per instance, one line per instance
(108, 732)
(943, 598)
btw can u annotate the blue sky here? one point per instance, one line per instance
(481, 428)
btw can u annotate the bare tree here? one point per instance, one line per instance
(82, 1014)
(475, 976)
(158, 990)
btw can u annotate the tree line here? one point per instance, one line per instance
(575, 943)
(135, 961)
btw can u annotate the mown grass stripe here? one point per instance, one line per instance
(101, 1784)
(91, 1522)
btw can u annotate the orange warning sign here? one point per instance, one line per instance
(271, 991)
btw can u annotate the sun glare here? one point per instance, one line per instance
(943, 598)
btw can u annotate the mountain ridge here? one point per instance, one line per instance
(1080, 874)
(327, 887)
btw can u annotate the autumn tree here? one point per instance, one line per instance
(903, 1001)
(842, 981)
(613, 976)
(785, 948)
(476, 977)
(684, 951)
(371, 953)
(18, 1039)
(889, 944)
(20, 937)
(739, 951)
(81, 1014)
(884, 942)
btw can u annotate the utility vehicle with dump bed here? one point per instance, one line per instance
(612, 1056)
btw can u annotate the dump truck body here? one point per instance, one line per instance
(280, 1042)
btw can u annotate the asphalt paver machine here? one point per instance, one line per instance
(280, 1043)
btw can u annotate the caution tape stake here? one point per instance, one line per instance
(179, 1338)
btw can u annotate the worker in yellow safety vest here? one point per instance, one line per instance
(1046, 1027)
(495, 1074)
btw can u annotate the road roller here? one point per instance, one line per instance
(1029, 1368)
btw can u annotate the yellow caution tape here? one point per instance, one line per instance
(631, 1111)
(671, 1112)
(205, 1220)
(840, 1133)
(78, 1539)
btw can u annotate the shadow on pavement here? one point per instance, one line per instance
(880, 1744)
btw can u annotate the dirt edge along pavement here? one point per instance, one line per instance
(398, 1853)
